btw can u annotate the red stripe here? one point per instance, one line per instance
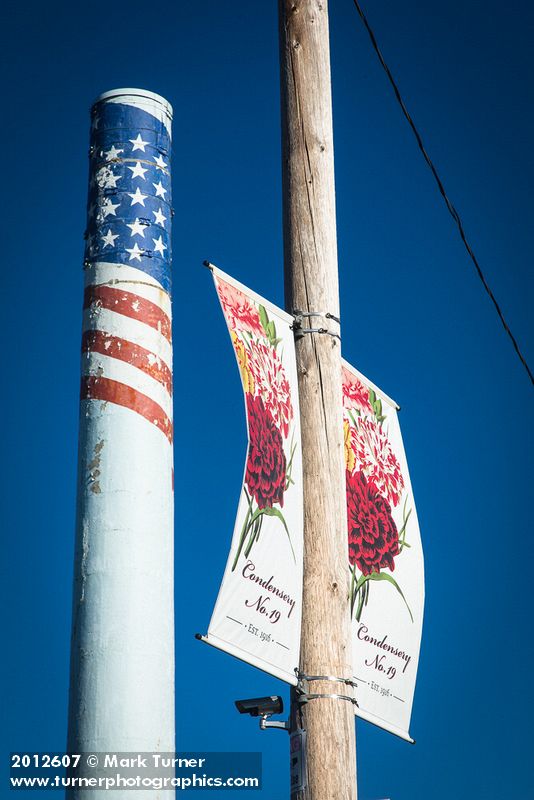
(129, 305)
(113, 346)
(94, 388)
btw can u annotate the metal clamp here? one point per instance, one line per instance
(299, 332)
(305, 697)
(299, 315)
(347, 681)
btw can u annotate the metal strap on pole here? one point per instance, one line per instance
(299, 331)
(304, 697)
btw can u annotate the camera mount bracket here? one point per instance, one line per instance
(266, 722)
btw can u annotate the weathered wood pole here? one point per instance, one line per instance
(311, 285)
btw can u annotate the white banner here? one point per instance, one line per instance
(385, 557)
(258, 611)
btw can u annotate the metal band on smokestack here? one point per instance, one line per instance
(122, 661)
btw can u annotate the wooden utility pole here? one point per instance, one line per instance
(311, 285)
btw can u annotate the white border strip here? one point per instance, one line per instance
(257, 297)
(384, 725)
(249, 658)
(373, 386)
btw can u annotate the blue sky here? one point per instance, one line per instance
(415, 321)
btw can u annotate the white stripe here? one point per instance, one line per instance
(152, 103)
(121, 276)
(103, 319)
(107, 367)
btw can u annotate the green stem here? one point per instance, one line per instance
(352, 592)
(360, 605)
(243, 536)
(252, 538)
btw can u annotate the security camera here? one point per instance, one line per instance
(261, 706)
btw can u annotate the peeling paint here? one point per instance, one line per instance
(93, 468)
(85, 553)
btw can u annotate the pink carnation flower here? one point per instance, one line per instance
(271, 383)
(240, 312)
(355, 394)
(373, 455)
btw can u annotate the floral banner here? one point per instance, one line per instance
(385, 557)
(257, 615)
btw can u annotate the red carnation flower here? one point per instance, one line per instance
(373, 535)
(266, 462)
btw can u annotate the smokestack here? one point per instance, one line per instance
(122, 656)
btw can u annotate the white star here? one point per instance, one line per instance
(137, 228)
(160, 191)
(160, 219)
(138, 171)
(106, 178)
(109, 238)
(135, 252)
(138, 144)
(160, 162)
(107, 207)
(112, 181)
(159, 247)
(113, 153)
(137, 197)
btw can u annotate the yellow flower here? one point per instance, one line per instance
(242, 360)
(350, 458)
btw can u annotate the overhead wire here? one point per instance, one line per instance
(452, 210)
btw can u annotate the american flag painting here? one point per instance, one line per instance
(122, 662)
(127, 313)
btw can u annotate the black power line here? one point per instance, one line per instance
(452, 210)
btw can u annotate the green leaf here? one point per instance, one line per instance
(274, 512)
(290, 464)
(361, 580)
(403, 529)
(249, 499)
(349, 412)
(352, 594)
(244, 530)
(264, 319)
(383, 576)
(254, 536)
(372, 396)
(360, 607)
(271, 331)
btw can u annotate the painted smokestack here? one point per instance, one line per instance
(122, 659)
